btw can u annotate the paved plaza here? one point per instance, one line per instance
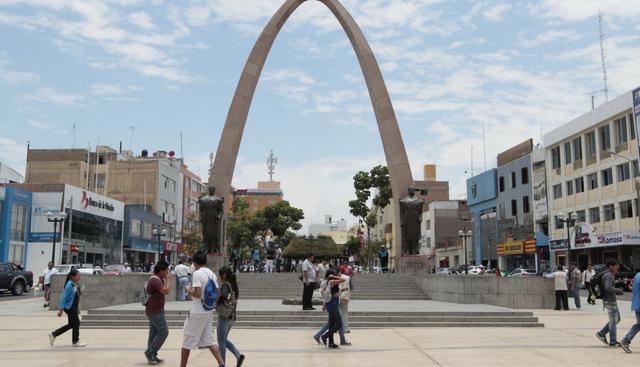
(567, 339)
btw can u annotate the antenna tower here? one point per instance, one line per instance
(602, 55)
(133, 130)
(272, 160)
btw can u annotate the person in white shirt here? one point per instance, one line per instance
(182, 274)
(560, 285)
(198, 327)
(46, 282)
(127, 268)
(309, 280)
(345, 297)
(586, 281)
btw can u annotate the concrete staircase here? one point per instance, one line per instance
(135, 319)
(366, 287)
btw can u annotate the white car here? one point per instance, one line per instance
(86, 271)
(477, 270)
(522, 273)
(443, 271)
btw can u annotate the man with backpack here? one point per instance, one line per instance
(157, 287)
(609, 291)
(635, 306)
(198, 327)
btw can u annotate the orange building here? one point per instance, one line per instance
(268, 193)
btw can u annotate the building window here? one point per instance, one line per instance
(524, 172)
(558, 222)
(609, 212)
(592, 181)
(591, 143)
(514, 208)
(525, 204)
(607, 177)
(136, 227)
(577, 148)
(581, 216)
(18, 222)
(623, 172)
(569, 188)
(605, 138)
(101, 181)
(555, 157)
(513, 179)
(579, 185)
(632, 128)
(626, 209)
(557, 191)
(567, 153)
(636, 172)
(620, 126)
(501, 183)
(594, 215)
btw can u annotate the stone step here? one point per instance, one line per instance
(140, 312)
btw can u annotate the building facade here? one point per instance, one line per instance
(15, 220)
(266, 194)
(592, 171)
(141, 244)
(441, 223)
(9, 175)
(328, 226)
(482, 194)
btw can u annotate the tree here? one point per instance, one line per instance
(192, 234)
(353, 246)
(278, 218)
(322, 247)
(363, 182)
(240, 232)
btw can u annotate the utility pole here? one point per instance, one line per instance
(602, 54)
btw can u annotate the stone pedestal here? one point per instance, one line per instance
(216, 261)
(411, 264)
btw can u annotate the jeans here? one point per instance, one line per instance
(562, 296)
(269, 266)
(222, 333)
(588, 286)
(307, 295)
(344, 312)
(324, 329)
(576, 295)
(158, 333)
(72, 324)
(611, 326)
(335, 321)
(634, 330)
(182, 287)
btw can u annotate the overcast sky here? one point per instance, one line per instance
(168, 67)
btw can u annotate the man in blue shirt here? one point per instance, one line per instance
(635, 306)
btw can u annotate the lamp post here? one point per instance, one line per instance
(159, 233)
(569, 222)
(635, 182)
(464, 235)
(55, 218)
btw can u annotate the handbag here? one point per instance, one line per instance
(227, 307)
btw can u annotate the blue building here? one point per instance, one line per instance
(141, 246)
(15, 215)
(482, 197)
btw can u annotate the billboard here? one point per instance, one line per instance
(539, 192)
(92, 203)
(43, 203)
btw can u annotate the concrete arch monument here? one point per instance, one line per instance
(396, 156)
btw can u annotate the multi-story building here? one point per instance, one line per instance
(441, 223)
(592, 177)
(482, 195)
(9, 175)
(193, 189)
(141, 243)
(15, 206)
(516, 234)
(328, 226)
(266, 194)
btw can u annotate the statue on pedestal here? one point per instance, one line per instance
(410, 222)
(211, 213)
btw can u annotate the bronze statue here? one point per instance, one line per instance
(211, 213)
(410, 222)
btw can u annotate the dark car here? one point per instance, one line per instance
(14, 279)
(624, 276)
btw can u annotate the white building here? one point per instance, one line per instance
(9, 175)
(329, 225)
(592, 165)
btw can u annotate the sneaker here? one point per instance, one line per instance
(625, 346)
(615, 345)
(324, 339)
(317, 339)
(150, 359)
(157, 359)
(51, 339)
(602, 338)
(347, 344)
(240, 360)
(333, 346)
(78, 344)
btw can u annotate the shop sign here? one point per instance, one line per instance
(558, 245)
(511, 247)
(539, 192)
(92, 203)
(41, 230)
(172, 246)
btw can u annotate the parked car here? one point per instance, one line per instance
(443, 271)
(13, 278)
(66, 268)
(86, 271)
(519, 272)
(477, 270)
(624, 276)
(114, 269)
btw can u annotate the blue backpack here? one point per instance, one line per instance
(210, 296)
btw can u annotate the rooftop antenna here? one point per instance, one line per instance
(133, 129)
(484, 147)
(271, 164)
(74, 135)
(602, 55)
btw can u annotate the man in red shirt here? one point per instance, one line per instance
(157, 287)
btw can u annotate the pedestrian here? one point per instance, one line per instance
(309, 281)
(345, 298)
(383, 255)
(158, 286)
(586, 280)
(127, 268)
(182, 274)
(236, 258)
(256, 259)
(70, 304)
(226, 309)
(198, 327)
(278, 258)
(271, 256)
(46, 282)
(332, 306)
(560, 286)
(608, 284)
(575, 283)
(635, 306)
(321, 269)
(327, 325)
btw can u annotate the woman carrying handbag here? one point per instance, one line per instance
(226, 309)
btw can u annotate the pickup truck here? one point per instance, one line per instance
(14, 279)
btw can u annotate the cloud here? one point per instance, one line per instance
(288, 74)
(496, 12)
(578, 10)
(15, 77)
(142, 19)
(13, 153)
(566, 36)
(53, 96)
(38, 124)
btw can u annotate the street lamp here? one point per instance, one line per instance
(55, 218)
(636, 184)
(569, 222)
(464, 237)
(159, 233)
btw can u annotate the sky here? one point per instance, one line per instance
(166, 68)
